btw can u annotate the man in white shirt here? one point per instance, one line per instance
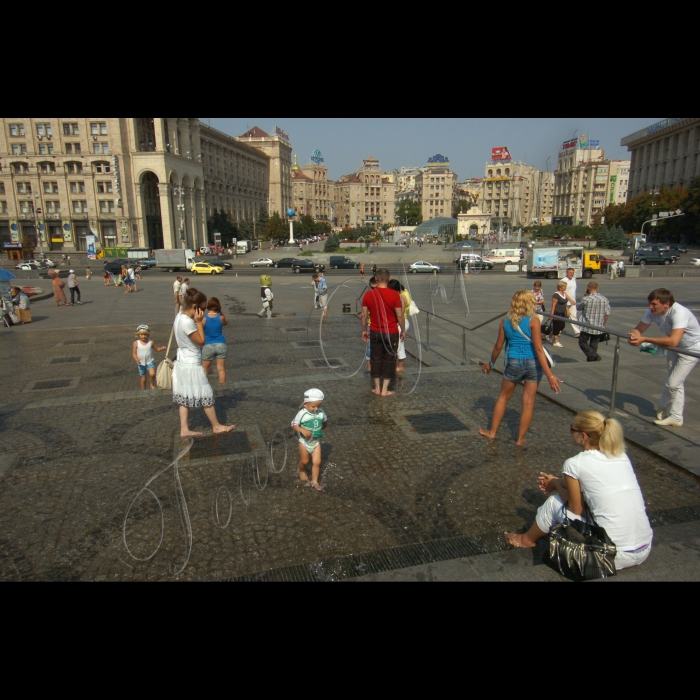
(571, 285)
(176, 293)
(183, 291)
(680, 330)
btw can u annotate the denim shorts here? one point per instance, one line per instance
(518, 370)
(143, 369)
(215, 351)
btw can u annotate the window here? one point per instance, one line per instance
(74, 168)
(16, 129)
(104, 187)
(47, 168)
(103, 168)
(50, 188)
(80, 207)
(70, 129)
(73, 148)
(98, 128)
(3, 207)
(26, 207)
(53, 207)
(2, 188)
(43, 130)
(19, 149)
(24, 187)
(107, 206)
(98, 148)
(46, 149)
(20, 168)
(77, 187)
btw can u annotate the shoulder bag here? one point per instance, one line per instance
(164, 373)
(550, 359)
(581, 551)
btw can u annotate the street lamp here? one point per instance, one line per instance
(180, 191)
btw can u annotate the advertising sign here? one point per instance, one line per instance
(317, 157)
(583, 142)
(67, 232)
(613, 181)
(500, 155)
(91, 242)
(569, 145)
(370, 164)
(14, 232)
(545, 259)
(438, 161)
(11, 245)
(281, 133)
(595, 145)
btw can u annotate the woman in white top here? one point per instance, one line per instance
(602, 476)
(191, 388)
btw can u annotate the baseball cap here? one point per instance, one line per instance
(71, 272)
(143, 328)
(313, 395)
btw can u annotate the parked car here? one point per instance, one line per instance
(147, 263)
(263, 262)
(28, 265)
(115, 266)
(221, 263)
(204, 268)
(476, 262)
(423, 266)
(307, 266)
(340, 262)
(286, 262)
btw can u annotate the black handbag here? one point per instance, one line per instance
(547, 328)
(581, 551)
(605, 338)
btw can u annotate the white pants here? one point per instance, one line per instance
(401, 355)
(552, 513)
(673, 398)
(573, 316)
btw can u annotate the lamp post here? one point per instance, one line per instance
(39, 231)
(180, 191)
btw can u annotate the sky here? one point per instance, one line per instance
(411, 142)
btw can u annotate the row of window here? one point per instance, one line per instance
(47, 149)
(106, 206)
(104, 187)
(69, 129)
(101, 167)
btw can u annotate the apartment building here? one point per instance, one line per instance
(666, 154)
(436, 187)
(312, 193)
(140, 182)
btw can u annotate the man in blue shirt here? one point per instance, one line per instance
(322, 292)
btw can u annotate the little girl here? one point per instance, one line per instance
(143, 355)
(310, 423)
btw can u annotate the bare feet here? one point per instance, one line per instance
(488, 434)
(518, 541)
(189, 433)
(521, 443)
(388, 393)
(377, 392)
(224, 429)
(316, 486)
(303, 475)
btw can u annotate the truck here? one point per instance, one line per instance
(138, 253)
(175, 260)
(553, 263)
(243, 247)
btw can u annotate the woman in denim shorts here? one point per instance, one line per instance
(215, 347)
(526, 362)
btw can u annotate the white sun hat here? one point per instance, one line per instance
(313, 395)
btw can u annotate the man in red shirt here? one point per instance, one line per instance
(383, 305)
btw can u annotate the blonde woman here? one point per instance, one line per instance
(560, 307)
(603, 478)
(526, 362)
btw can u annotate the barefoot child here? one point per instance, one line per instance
(310, 423)
(143, 355)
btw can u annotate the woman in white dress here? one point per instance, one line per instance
(191, 388)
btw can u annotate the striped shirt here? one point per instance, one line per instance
(594, 309)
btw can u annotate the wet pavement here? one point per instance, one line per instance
(407, 480)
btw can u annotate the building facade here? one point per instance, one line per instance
(131, 182)
(365, 198)
(436, 188)
(666, 154)
(278, 149)
(312, 193)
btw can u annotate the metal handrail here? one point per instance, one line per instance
(580, 324)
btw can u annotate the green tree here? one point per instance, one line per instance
(409, 213)
(275, 229)
(246, 229)
(332, 243)
(220, 223)
(263, 217)
(463, 205)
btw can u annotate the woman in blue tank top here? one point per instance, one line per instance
(526, 361)
(215, 347)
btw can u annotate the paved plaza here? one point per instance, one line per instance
(411, 492)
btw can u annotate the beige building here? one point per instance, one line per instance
(666, 154)
(585, 183)
(473, 224)
(278, 149)
(131, 182)
(436, 188)
(516, 194)
(312, 193)
(364, 198)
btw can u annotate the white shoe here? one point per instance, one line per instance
(660, 413)
(669, 423)
(558, 345)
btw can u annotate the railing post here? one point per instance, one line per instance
(427, 346)
(613, 390)
(464, 346)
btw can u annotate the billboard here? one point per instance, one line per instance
(500, 155)
(569, 145)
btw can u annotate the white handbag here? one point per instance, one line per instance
(164, 373)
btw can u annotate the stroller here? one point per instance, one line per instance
(7, 311)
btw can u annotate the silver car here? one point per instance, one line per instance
(423, 266)
(263, 262)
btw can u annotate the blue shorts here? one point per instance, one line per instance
(518, 370)
(143, 369)
(215, 351)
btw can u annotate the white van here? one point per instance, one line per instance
(507, 256)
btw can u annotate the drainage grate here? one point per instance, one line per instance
(52, 384)
(435, 423)
(65, 360)
(235, 443)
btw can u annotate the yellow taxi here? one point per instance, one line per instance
(204, 268)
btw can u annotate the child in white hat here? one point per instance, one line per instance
(310, 423)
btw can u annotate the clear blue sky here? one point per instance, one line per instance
(467, 142)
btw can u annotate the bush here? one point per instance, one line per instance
(332, 243)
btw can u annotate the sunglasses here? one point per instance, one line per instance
(573, 430)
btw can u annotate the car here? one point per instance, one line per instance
(475, 263)
(204, 268)
(681, 248)
(286, 262)
(27, 265)
(695, 261)
(220, 263)
(656, 257)
(422, 266)
(307, 266)
(147, 263)
(263, 262)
